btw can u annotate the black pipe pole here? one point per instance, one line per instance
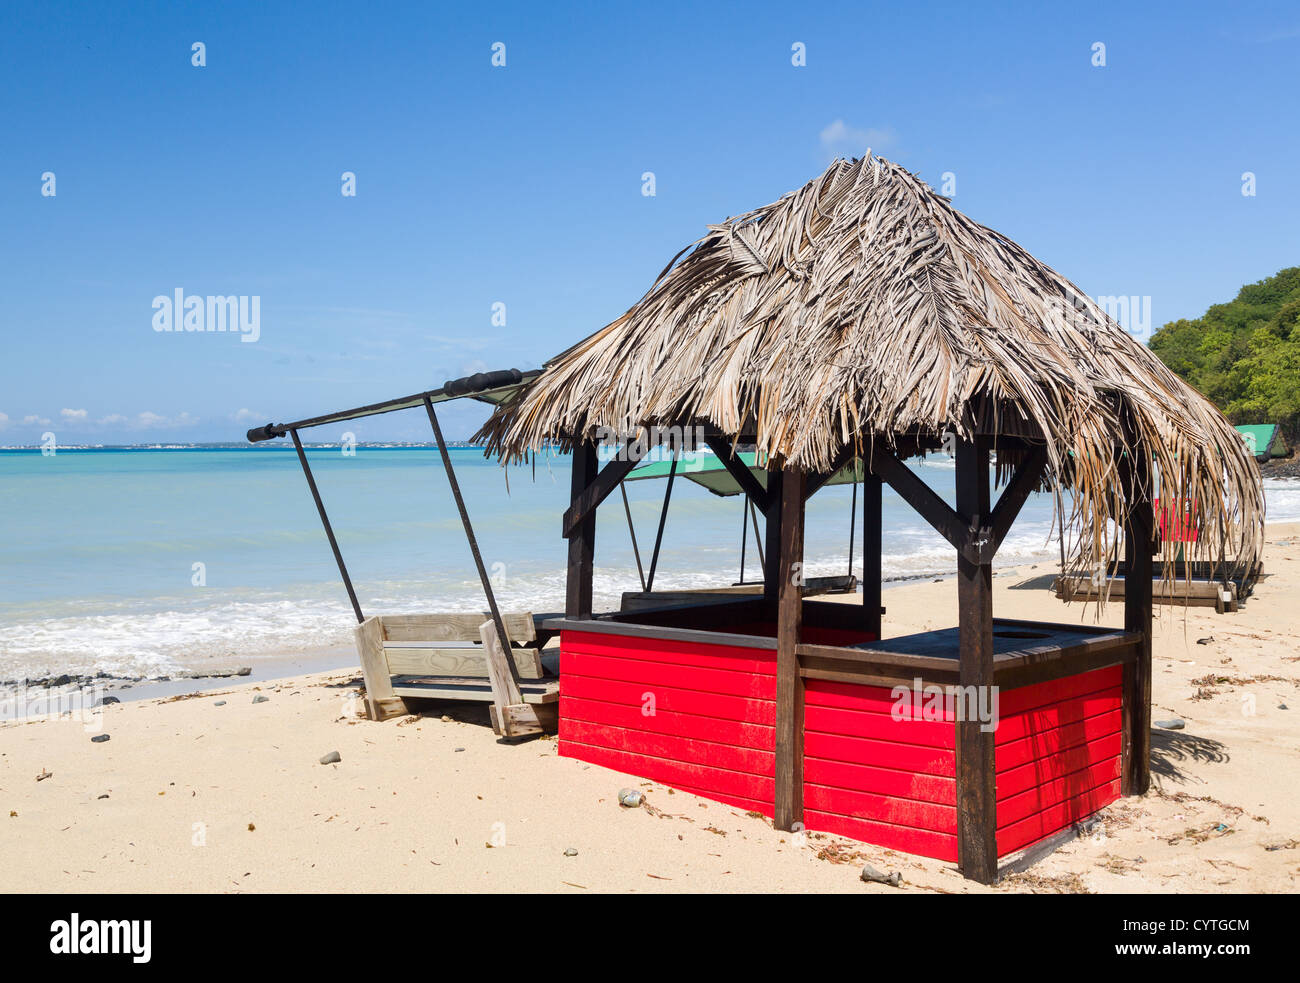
(758, 539)
(632, 532)
(473, 543)
(853, 516)
(744, 535)
(663, 517)
(325, 521)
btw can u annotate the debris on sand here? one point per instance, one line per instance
(871, 875)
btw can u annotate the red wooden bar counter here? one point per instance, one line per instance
(687, 697)
(800, 709)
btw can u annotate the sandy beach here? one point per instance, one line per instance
(213, 792)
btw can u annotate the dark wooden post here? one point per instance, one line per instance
(871, 548)
(977, 852)
(789, 684)
(1135, 745)
(582, 541)
(772, 538)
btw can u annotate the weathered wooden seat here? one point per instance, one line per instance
(455, 657)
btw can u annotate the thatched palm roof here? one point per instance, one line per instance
(862, 307)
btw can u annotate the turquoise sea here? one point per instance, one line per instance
(98, 547)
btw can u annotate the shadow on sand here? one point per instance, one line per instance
(1170, 749)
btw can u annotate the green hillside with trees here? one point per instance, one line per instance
(1244, 355)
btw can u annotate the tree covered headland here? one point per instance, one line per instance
(1244, 355)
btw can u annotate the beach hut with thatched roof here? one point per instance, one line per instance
(863, 317)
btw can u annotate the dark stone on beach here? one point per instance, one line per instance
(99, 739)
(104, 796)
(1205, 641)
(332, 758)
(1282, 706)
(871, 875)
(61, 681)
(219, 703)
(259, 698)
(458, 749)
(125, 686)
(1172, 724)
(107, 701)
(164, 679)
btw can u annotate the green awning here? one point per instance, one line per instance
(1263, 439)
(706, 470)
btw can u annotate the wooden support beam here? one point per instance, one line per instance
(750, 485)
(977, 852)
(582, 544)
(510, 715)
(1014, 495)
(842, 459)
(872, 545)
(788, 810)
(598, 490)
(929, 505)
(1135, 744)
(381, 701)
(772, 535)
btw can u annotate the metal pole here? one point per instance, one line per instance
(473, 543)
(853, 516)
(325, 521)
(632, 532)
(744, 535)
(663, 517)
(758, 540)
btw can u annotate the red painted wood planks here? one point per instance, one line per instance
(714, 782)
(665, 698)
(691, 715)
(881, 781)
(735, 657)
(737, 733)
(1057, 755)
(922, 842)
(1056, 818)
(881, 808)
(918, 758)
(672, 748)
(727, 682)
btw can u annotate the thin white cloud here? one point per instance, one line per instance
(245, 415)
(73, 416)
(841, 140)
(156, 421)
(39, 421)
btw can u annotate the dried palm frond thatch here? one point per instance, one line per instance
(863, 308)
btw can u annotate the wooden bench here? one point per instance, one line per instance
(1189, 593)
(456, 657)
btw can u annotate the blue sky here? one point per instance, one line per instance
(522, 184)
